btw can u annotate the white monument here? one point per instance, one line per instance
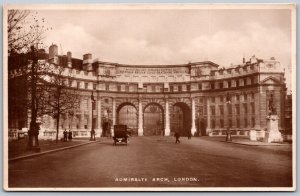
(273, 134)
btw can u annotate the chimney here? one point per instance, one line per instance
(244, 60)
(53, 54)
(53, 51)
(69, 59)
(87, 62)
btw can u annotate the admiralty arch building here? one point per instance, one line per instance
(201, 98)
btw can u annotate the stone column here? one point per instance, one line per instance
(208, 128)
(140, 121)
(81, 125)
(193, 129)
(167, 118)
(90, 108)
(113, 116)
(99, 119)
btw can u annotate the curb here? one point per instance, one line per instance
(48, 152)
(255, 144)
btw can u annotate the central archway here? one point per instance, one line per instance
(127, 115)
(181, 118)
(153, 120)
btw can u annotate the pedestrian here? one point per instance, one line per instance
(177, 136)
(70, 136)
(65, 135)
(92, 135)
(189, 135)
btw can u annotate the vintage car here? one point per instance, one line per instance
(120, 134)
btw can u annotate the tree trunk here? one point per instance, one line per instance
(57, 128)
(34, 127)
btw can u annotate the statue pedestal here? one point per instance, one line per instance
(273, 134)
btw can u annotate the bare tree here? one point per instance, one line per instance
(24, 28)
(25, 33)
(62, 99)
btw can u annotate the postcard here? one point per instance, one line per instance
(149, 97)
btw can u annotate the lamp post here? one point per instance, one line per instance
(93, 138)
(228, 131)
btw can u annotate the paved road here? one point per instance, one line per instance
(198, 162)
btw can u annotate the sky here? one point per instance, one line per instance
(172, 36)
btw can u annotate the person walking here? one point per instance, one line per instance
(65, 135)
(70, 136)
(177, 136)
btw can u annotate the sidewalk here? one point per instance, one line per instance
(18, 148)
(243, 140)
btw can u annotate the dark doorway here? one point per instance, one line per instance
(153, 120)
(127, 115)
(180, 119)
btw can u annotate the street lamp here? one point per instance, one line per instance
(228, 131)
(93, 138)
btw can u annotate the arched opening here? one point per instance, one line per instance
(180, 119)
(127, 115)
(153, 120)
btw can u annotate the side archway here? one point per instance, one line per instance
(153, 120)
(127, 115)
(180, 118)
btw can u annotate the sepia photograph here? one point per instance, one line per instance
(149, 97)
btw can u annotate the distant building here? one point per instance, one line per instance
(201, 97)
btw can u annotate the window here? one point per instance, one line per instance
(230, 122)
(171, 88)
(221, 84)
(246, 122)
(252, 80)
(213, 100)
(237, 84)
(252, 96)
(93, 105)
(179, 88)
(221, 99)
(86, 85)
(229, 109)
(212, 85)
(229, 84)
(127, 88)
(78, 84)
(221, 123)
(253, 122)
(200, 86)
(70, 83)
(94, 86)
(188, 87)
(119, 88)
(245, 97)
(221, 110)
(245, 108)
(107, 87)
(252, 108)
(213, 123)
(200, 100)
(245, 81)
(237, 109)
(237, 122)
(212, 108)
(237, 97)
(106, 100)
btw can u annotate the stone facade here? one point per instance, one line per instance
(204, 97)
